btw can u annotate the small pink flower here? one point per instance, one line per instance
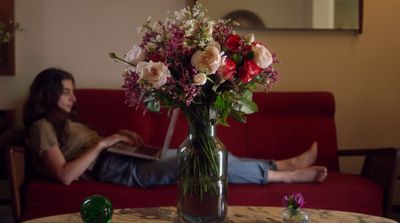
(293, 201)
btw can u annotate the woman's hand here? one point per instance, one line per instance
(113, 139)
(134, 137)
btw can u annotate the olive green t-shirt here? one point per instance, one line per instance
(42, 137)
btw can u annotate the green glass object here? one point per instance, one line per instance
(96, 209)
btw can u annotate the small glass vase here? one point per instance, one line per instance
(202, 176)
(295, 216)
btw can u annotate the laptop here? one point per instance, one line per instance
(146, 151)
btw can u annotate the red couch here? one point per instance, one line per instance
(286, 125)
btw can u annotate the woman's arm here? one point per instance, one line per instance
(66, 172)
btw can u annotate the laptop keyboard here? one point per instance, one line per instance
(150, 151)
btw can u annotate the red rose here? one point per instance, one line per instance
(247, 49)
(233, 43)
(227, 71)
(249, 70)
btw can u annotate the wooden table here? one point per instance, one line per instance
(235, 214)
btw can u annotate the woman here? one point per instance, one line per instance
(67, 150)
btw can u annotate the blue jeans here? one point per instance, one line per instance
(131, 171)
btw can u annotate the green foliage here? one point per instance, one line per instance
(151, 103)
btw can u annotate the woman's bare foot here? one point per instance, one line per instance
(309, 174)
(304, 160)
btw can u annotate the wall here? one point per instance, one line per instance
(362, 71)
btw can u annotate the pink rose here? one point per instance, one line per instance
(153, 73)
(207, 61)
(227, 69)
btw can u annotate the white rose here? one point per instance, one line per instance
(207, 61)
(154, 73)
(135, 55)
(262, 56)
(249, 38)
(200, 79)
(214, 44)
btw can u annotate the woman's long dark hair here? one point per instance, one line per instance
(42, 101)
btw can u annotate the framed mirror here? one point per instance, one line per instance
(289, 14)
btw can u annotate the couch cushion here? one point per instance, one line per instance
(339, 191)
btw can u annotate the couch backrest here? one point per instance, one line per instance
(105, 111)
(286, 124)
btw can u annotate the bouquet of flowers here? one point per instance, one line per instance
(207, 70)
(190, 60)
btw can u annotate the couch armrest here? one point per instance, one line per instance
(381, 165)
(15, 157)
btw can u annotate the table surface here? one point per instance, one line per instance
(241, 214)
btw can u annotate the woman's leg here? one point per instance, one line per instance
(248, 170)
(293, 170)
(138, 172)
(155, 173)
(131, 171)
(308, 174)
(304, 160)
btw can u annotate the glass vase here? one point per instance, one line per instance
(295, 216)
(202, 176)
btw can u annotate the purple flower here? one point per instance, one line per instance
(293, 201)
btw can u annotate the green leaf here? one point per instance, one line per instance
(248, 106)
(222, 107)
(237, 58)
(222, 117)
(247, 94)
(219, 103)
(250, 55)
(152, 104)
(238, 116)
